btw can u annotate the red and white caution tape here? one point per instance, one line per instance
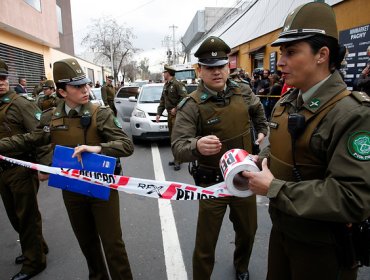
(144, 187)
(231, 163)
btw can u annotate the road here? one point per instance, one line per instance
(147, 229)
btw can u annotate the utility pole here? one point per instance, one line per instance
(174, 44)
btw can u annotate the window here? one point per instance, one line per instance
(59, 19)
(126, 92)
(34, 3)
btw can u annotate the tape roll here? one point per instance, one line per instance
(231, 164)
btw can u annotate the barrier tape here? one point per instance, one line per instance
(144, 187)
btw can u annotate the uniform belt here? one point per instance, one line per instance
(209, 175)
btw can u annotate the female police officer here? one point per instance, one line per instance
(319, 180)
(95, 222)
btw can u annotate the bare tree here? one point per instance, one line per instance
(130, 71)
(144, 67)
(112, 43)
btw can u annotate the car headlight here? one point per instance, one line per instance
(138, 113)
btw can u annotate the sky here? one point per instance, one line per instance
(149, 19)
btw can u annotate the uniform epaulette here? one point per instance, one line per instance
(361, 96)
(182, 102)
(103, 107)
(29, 98)
(48, 109)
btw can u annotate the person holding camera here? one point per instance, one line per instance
(318, 178)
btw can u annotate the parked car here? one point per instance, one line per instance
(125, 101)
(191, 87)
(143, 118)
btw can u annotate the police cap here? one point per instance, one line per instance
(110, 77)
(69, 71)
(3, 68)
(306, 21)
(169, 69)
(48, 84)
(213, 52)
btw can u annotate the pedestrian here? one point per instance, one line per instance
(21, 88)
(50, 98)
(107, 93)
(95, 222)
(173, 92)
(210, 121)
(318, 178)
(19, 185)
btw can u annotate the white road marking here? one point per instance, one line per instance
(175, 266)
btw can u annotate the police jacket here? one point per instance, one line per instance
(55, 123)
(18, 114)
(333, 156)
(173, 92)
(228, 117)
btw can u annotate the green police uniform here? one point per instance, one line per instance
(107, 93)
(228, 117)
(95, 222)
(332, 156)
(173, 92)
(48, 101)
(19, 185)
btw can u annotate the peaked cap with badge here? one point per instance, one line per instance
(69, 71)
(48, 84)
(306, 21)
(3, 68)
(169, 69)
(213, 52)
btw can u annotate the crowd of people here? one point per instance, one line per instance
(314, 169)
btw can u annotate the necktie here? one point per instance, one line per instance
(72, 113)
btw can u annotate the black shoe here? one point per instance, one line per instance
(20, 259)
(242, 275)
(25, 276)
(177, 167)
(171, 163)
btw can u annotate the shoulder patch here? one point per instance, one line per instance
(117, 123)
(359, 145)
(182, 102)
(38, 116)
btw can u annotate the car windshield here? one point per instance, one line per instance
(151, 94)
(185, 74)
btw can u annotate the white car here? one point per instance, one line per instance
(125, 101)
(95, 96)
(143, 118)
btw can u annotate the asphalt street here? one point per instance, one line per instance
(142, 230)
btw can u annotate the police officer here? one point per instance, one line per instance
(49, 99)
(236, 76)
(19, 185)
(212, 120)
(318, 178)
(173, 92)
(95, 222)
(38, 88)
(107, 93)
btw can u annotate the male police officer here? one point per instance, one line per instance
(212, 120)
(75, 120)
(19, 185)
(107, 93)
(318, 178)
(173, 92)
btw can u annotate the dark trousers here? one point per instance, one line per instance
(243, 215)
(18, 188)
(112, 106)
(171, 122)
(290, 259)
(94, 220)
